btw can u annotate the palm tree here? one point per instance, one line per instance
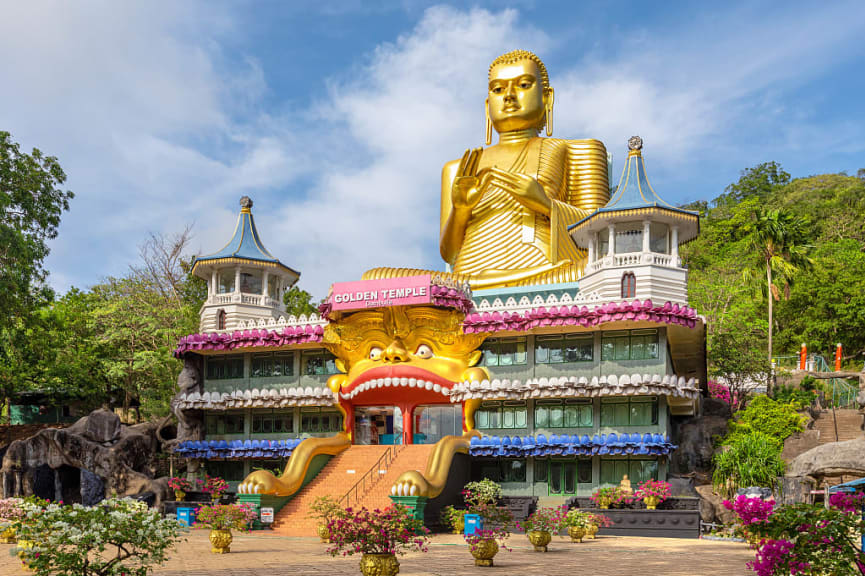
(779, 238)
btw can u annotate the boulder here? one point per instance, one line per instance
(101, 426)
(695, 438)
(711, 508)
(831, 460)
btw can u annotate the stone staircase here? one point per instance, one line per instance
(337, 479)
(848, 420)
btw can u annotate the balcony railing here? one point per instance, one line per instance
(635, 259)
(243, 298)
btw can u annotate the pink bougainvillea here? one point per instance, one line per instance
(750, 510)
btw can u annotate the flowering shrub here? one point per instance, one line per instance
(578, 518)
(600, 520)
(482, 492)
(10, 510)
(544, 520)
(656, 488)
(750, 510)
(480, 536)
(214, 485)
(848, 502)
(390, 531)
(611, 496)
(226, 516)
(325, 508)
(116, 537)
(806, 539)
(453, 518)
(179, 483)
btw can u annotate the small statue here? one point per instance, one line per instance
(625, 485)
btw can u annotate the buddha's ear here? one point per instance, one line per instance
(489, 139)
(549, 99)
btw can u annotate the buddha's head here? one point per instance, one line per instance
(520, 96)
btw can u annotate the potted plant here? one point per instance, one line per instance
(215, 486)
(653, 492)
(10, 512)
(379, 535)
(577, 522)
(597, 522)
(221, 518)
(454, 519)
(180, 486)
(542, 524)
(609, 496)
(325, 509)
(481, 499)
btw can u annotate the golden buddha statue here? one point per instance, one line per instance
(505, 209)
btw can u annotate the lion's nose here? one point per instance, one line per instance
(396, 352)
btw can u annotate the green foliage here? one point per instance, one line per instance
(113, 538)
(482, 492)
(793, 396)
(298, 302)
(752, 459)
(770, 417)
(325, 508)
(454, 519)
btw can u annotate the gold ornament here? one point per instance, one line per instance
(484, 552)
(577, 533)
(505, 209)
(220, 541)
(379, 565)
(540, 539)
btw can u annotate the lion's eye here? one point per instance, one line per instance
(424, 351)
(374, 353)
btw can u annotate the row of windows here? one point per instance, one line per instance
(615, 412)
(271, 365)
(312, 420)
(573, 348)
(563, 476)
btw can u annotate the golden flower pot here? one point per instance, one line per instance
(8, 535)
(323, 533)
(215, 498)
(651, 502)
(591, 531)
(484, 551)
(540, 539)
(576, 533)
(220, 541)
(379, 565)
(179, 495)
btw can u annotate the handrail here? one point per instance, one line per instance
(373, 473)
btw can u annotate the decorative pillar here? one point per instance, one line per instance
(674, 245)
(646, 230)
(612, 245)
(264, 280)
(407, 424)
(214, 283)
(237, 280)
(415, 504)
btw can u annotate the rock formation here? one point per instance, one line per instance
(830, 460)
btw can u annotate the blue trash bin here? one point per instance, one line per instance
(473, 523)
(186, 516)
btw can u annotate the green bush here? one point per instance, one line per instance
(777, 420)
(796, 396)
(752, 459)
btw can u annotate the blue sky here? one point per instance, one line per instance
(335, 117)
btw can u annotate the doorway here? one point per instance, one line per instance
(377, 425)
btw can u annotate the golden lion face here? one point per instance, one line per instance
(415, 352)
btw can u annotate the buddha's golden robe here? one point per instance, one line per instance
(507, 244)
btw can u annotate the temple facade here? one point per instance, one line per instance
(552, 389)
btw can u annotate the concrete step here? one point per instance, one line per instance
(848, 422)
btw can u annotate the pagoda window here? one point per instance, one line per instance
(658, 238)
(629, 238)
(273, 287)
(637, 469)
(220, 320)
(633, 411)
(629, 285)
(225, 283)
(250, 282)
(633, 345)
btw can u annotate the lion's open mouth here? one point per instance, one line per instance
(397, 376)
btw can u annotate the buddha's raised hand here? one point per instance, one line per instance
(523, 188)
(467, 188)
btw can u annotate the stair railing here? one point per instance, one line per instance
(371, 477)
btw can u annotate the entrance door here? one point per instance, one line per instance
(433, 422)
(377, 425)
(565, 475)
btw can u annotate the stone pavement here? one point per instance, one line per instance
(258, 554)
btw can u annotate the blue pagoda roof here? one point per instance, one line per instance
(571, 445)
(245, 245)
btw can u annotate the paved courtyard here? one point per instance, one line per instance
(260, 554)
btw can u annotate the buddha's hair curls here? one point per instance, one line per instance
(516, 56)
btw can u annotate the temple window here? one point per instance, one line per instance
(228, 470)
(434, 422)
(603, 244)
(561, 349)
(504, 352)
(629, 285)
(629, 238)
(225, 283)
(250, 282)
(562, 476)
(220, 320)
(221, 424)
(319, 420)
(273, 422)
(510, 470)
(571, 413)
(658, 238)
(634, 411)
(225, 368)
(273, 287)
(272, 365)
(497, 414)
(318, 363)
(633, 345)
(637, 469)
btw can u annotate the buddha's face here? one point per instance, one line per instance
(516, 96)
